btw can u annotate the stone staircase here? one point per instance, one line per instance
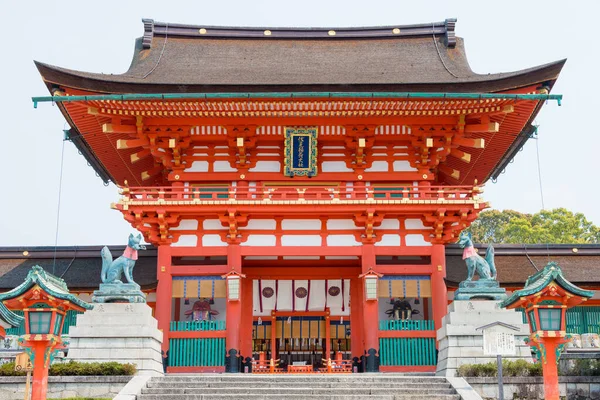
(298, 387)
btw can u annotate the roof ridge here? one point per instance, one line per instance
(444, 28)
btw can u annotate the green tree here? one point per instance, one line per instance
(547, 226)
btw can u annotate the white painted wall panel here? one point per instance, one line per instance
(198, 166)
(260, 240)
(342, 240)
(389, 224)
(212, 224)
(341, 257)
(334, 166)
(337, 224)
(223, 166)
(212, 241)
(186, 241)
(301, 224)
(186, 225)
(266, 166)
(416, 240)
(261, 224)
(389, 240)
(414, 224)
(403, 166)
(300, 240)
(378, 166)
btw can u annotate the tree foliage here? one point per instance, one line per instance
(547, 226)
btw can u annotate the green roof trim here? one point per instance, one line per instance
(297, 95)
(54, 285)
(10, 317)
(538, 281)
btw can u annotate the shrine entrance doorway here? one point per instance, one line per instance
(302, 341)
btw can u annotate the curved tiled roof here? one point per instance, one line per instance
(180, 58)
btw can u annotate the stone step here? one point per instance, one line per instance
(299, 391)
(291, 397)
(359, 378)
(263, 384)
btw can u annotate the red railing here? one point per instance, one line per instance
(298, 193)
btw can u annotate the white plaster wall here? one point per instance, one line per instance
(198, 166)
(186, 241)
(414, 224)
(186, 225)
(389, 224)
(212, 224)
(260, 240)
(416, 240)
(261, 224)
(300, 240)
(301, 224)
(212, 241)
(342, 240)
(338, 224)
(389, 240)
(266, 166)
(334, 166)
(341, 257)
(260, 258)
(378, 166)
(301, 257)
(403, 166)
(223, 166)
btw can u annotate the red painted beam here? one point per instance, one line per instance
(404, 269)
(198, 251)
(301, 251)
(199, 270)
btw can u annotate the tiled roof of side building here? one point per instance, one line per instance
(80, 266)
(187, 58)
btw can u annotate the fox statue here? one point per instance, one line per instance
(112, 270)
(485, 267)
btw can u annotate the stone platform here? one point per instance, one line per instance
(122, 332)
(461, 343)
(119, 292)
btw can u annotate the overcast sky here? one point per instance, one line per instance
(99, 37)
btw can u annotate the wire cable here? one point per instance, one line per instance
(62, 159)
(161, 52)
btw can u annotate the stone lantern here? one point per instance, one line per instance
(45, 300)
(546, 297)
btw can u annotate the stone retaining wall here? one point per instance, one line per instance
(571, 387)
(60, 387)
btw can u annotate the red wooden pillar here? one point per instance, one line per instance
(550, 368)
(233, 314)
(246, 324)
(40, 370)
(356, 321)
(439, 292)
(370, 315)
(164, 293)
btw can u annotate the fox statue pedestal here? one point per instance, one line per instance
(122, 332)
(121, 326)
(461, 342)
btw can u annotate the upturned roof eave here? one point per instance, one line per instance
(539, 281)
(37, 276)
(97, 83)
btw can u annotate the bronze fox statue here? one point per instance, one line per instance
(112, 270)
(485, 267)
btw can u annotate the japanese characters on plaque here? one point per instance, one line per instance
(300, 151)
(498, 343)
